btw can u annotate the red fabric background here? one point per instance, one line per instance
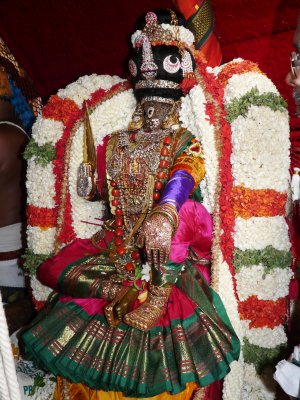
(58, 41)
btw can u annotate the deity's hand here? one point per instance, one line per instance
(156, 235)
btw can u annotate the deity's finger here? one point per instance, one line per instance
(149, 255)
(155, 258)
(167, 254)
(162, 257)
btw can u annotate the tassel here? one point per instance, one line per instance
(295, 184)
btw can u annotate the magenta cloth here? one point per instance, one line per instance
(179, 306)
(49, 272)
(177, 189)
(195, 230)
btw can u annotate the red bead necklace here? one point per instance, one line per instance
(161, 176)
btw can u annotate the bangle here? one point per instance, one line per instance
(169, 211)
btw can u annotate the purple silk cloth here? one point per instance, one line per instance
(177, 189)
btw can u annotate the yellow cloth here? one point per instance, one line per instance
(78, 391)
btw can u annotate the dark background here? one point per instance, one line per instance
(57, 41)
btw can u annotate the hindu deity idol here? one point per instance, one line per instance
(134, 312)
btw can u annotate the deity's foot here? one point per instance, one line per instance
(150, 312)
(120, 305)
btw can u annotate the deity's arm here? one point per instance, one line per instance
(186, 174)
(159, 228)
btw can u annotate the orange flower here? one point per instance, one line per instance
(236, 68)
(60, 109)
(249, 203)
(263, 313)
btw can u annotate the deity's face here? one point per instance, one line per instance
(164, 66)
(155, 113)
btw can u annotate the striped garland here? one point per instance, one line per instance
(247, 124)
(261, 257)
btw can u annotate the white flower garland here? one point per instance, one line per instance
(41, 240)
(39, 291)
(260, 160)
(112, 115)
(256, 233)
(267, 131)
(47, 131)
(253, 281)
(193, 116)
(223, 284)
(265, 337)
(83, 88)
(232, 385)
(240, 84)
(40, 184)
(257, 387)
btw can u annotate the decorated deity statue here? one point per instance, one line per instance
(173, 329)
(134, 313)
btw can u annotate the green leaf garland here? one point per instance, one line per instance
(269, 257)
(240, 106)
(262, 357)
(43, 154)
(33, 261)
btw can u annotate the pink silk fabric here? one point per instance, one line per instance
(194, 230)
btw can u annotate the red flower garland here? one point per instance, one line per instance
(263, 313)
(217, 115)
(40, 216)
(234, 68)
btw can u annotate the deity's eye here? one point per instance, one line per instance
(132, 68)
(171, 64)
